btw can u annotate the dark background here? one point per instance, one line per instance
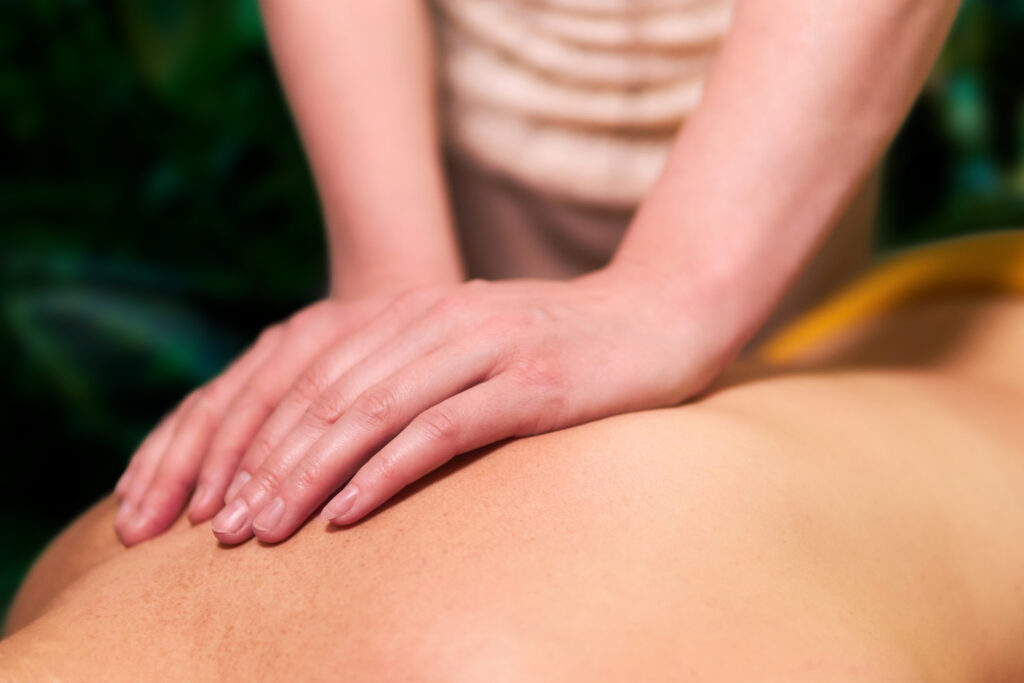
(156, 212)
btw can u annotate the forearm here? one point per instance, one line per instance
(803, 101)
(359, 79)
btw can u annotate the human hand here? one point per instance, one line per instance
(462, 368)
(200, 443)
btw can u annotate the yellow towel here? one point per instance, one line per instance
(988, 263)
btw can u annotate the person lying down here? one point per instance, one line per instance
(849, 509)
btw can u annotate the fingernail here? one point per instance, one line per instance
(231, 519)
(236, 485)
(270, 516)
(340, 505)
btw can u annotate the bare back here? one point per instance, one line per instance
(857, 519)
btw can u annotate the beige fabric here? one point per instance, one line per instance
(577, 99)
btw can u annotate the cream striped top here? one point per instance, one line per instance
(575, 98)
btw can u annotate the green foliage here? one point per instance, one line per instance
(156, 211)
(958, 165)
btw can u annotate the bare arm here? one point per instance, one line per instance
(800, 106)
(805, 97)
(358, 76)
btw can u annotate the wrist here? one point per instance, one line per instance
(351, 280)
(392, 246)
(713, 304)
(679, 332)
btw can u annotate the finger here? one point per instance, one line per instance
(250, 407)
(140, 481)
(147, 458)
(381, 347)
(171, 479)
(318, 377)
(155, 440)
(158, 492)
(234, 455)
(144, 459)
(307, 477)
(477, 417)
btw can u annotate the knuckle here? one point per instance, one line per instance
(206, 399)
(309, 315)
(269, 335)
(388, 474)
(327, 407)
(538, 374)
(266, 479)
(519, 320)
(454, 304)
(310, 476)
(534, 316)
(298, 320)
(375, 406)
(148, 444)
(510, 326)
(311, 383)
(500, 327)
(189, 401)
(202, 410)
(413, 299)
(256, 399)
(260, 448)
(438, 424)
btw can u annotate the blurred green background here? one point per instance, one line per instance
(156, 212)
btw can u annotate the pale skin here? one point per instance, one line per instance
(853, 517)
(377, 389)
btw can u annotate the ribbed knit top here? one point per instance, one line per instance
(575, 98)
